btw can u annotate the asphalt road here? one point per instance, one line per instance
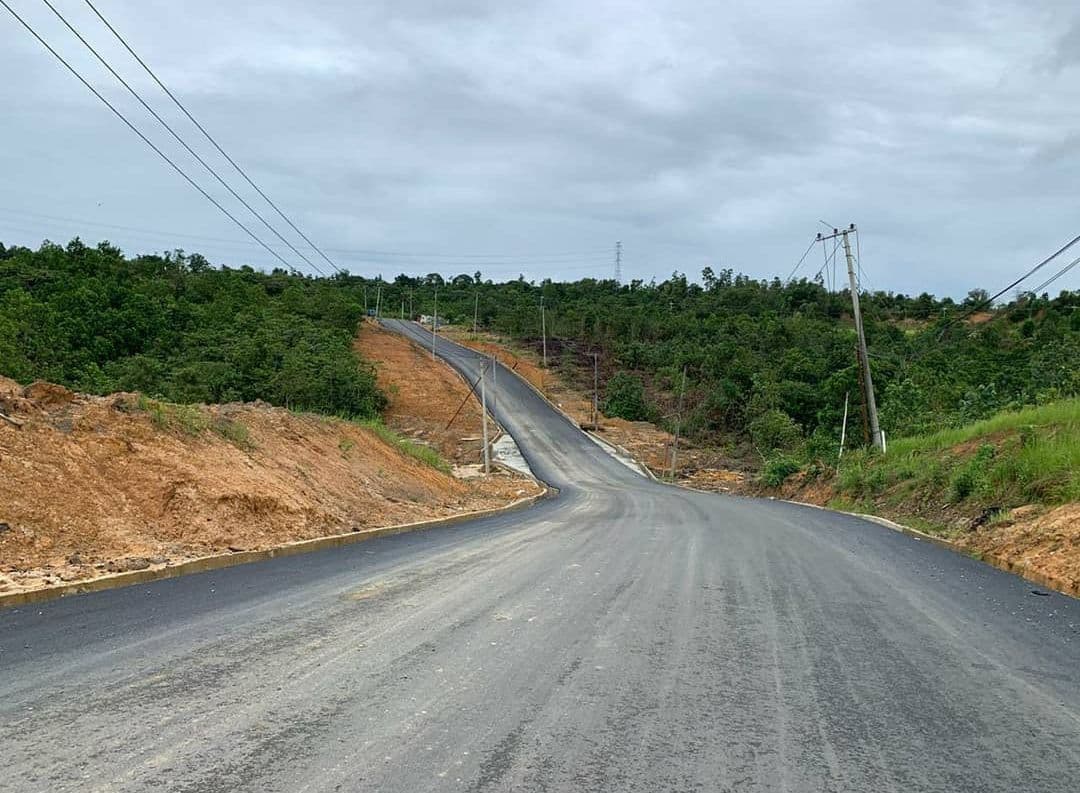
(624, 636)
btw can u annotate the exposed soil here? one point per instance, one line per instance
(1033, 538)
(641, 440)
(424, 396)
(91, 485)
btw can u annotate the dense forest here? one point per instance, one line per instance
(176, 328)
(766, 363)
(772, 362)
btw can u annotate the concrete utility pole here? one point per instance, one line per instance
(483, 410)
(475, 312)
(403, 309)
(618, 262)
(864, 357)
(378, 302)
(435, 322)
(494, 381)
(543, 328)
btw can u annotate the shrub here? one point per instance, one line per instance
(778, 469)
(972, 477)
(775, 430)
(625, 398)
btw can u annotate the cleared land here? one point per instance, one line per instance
(425, 396)
(95, 485)
(643, 441)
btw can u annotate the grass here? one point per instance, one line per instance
(1017, 457)
(194, 421)
(418, 451)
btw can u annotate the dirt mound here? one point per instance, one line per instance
(90, 484)
(1034, 539)
(48, 396)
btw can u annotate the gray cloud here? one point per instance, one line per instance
(696, 134)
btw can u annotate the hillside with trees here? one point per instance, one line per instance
(770, 362)
(767, 363)
(176, 328)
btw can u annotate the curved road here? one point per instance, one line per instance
(625, 636)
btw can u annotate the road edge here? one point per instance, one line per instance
(220, 561)
(993, 560)
(642, 468)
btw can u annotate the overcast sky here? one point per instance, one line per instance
(537, 134)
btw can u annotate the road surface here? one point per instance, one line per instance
(625, 636)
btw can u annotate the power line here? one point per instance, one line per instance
(202, 129)
(990, 300)
(527, 259)
(1056, 275)
(179, 139)
(829, 257)
(145, 139)
(500, 270)
(421, 255)
(801, 260)
(507, 261)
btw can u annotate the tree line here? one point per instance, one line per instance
(176, 328)
(767, 364)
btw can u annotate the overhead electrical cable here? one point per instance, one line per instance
(990, 300)
(802, 258)
(208, 136)
(145, 139)
(509, 259)
(180, 140)
(1056, 276)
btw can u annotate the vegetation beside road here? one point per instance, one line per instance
(1029, 456)
(1005, 488)
(767, 364)
(175, 328)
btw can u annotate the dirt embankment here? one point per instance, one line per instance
(645, 442)
(429, 402)
(91, 485)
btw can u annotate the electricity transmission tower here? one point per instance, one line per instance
(864, 358)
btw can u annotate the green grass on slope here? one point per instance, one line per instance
(1013, 458)
(424, 454)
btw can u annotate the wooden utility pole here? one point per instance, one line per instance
(543, 328)
(483, 410)
(867, 381)
(435, 322)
